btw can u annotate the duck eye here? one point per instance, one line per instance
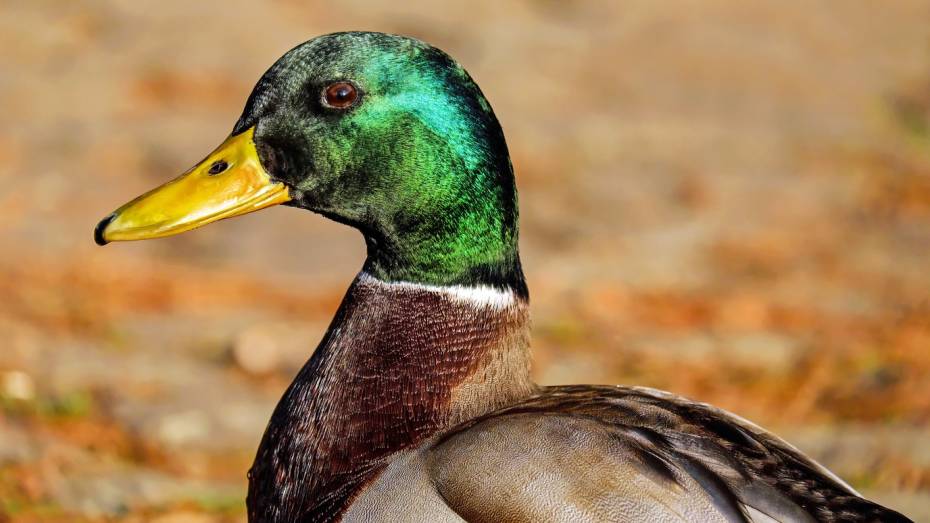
(340, 95)
(217, 167)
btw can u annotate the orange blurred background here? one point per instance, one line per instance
(729, 201)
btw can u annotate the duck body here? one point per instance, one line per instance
(418, 403)
(418, 406)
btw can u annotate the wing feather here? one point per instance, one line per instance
(633, 454)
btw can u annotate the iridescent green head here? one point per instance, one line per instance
(381, 132)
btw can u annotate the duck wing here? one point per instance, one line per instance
(593, 453)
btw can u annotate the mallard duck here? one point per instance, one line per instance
(418, 403)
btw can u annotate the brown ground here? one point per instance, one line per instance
(725, 201)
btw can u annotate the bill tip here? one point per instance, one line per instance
(100, 228)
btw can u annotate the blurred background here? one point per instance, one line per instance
(730, 201)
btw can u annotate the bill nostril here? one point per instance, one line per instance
(217, 167)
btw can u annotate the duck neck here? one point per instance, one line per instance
(449, 246)
(400, 362)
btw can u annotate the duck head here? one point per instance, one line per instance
(381, 132)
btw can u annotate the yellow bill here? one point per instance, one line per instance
(229, 182)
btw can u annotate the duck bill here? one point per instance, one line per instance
(229, 182)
